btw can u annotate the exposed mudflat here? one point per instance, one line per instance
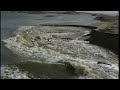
(52, 51)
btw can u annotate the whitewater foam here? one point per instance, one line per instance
(82, 56)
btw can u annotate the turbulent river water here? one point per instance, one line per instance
(14, 66)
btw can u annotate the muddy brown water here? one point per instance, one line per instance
(10, 21)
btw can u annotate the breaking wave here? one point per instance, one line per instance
(58, 52)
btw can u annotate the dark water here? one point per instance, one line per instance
(42, 70)
(7, 56)
(10, 21)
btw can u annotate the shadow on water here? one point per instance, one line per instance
(42, 70)
(105, 40)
